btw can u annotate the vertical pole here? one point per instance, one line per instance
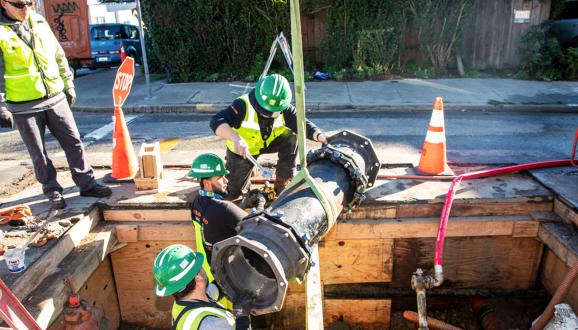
(144, 51)
(298, 75)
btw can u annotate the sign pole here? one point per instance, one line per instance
(144, 51)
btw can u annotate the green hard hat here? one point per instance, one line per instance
(206, 166)
(174, 268)
(273, 93)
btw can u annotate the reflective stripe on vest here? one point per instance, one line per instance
(200, 245)
(251, 132)
(28, 73)
(192, 319)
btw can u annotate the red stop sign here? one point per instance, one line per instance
(123, 81)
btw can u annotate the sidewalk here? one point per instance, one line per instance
(95, 94)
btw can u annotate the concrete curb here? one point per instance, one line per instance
(202, 108)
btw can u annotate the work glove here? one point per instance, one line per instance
(70, 96)
(6, 118)
(321, 138)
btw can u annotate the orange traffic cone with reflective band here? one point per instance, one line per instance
(433, 154)
(124, 162)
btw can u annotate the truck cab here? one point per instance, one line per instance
(108, 41)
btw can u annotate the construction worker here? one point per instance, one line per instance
(262, 121)
(214, 218)
(178, 272)
(39, 92)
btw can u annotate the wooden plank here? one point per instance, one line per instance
(127, 233)
(526, 229)
(567, 213)
(553, 272)
(471, 262)
(148, 215)
(166, 232)
(366, 313)
(46, 302)
(562, 239)
(135, 285)
(427, 227)
(314, 293)
(46, 265)
(99, 291)
(356, 261)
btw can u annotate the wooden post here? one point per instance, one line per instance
(314, 293)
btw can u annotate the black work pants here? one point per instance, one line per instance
(61, 124)
(240, 168)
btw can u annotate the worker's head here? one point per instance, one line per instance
(17, 9)
(178, 271)
(273, 94)
(210, 170)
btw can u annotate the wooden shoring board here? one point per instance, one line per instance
(147, 215)
(414, 210)
(131, 232)
(135, 285)
(27, 281)
(99, 290)
(562, 240)
(520, 225)
(568, 213)
(314, 293)
(500, 262)
(553, 272)
(365, 313)
(46, 302)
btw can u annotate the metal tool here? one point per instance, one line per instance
(267, 173)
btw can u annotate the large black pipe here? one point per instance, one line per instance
(273, 247)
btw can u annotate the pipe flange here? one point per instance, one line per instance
(358, 178)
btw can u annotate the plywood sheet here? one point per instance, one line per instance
(356, 261)
(472, 262)
(366, 313)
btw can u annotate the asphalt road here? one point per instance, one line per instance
(472, 137)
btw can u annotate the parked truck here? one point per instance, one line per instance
(69, 20)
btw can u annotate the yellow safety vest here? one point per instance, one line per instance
(251, 132)
(30, 74)
(191, 319)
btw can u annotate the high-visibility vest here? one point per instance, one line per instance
(200, 248)
(251, 132)
(30, 74)
(189, 315)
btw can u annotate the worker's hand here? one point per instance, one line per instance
(321, 138)
(70, 96)
(241, 147)
(5, 118)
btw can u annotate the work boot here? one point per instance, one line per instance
(97, 190)
(56, 200)
(280, 185)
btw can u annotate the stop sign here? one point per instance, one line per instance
(123, 81)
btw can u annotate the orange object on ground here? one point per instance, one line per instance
(15, 214)
(433, 159)
(124, 161)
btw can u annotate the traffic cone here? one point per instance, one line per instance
(433, 159)
(124, 162)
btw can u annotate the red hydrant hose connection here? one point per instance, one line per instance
(441, 235)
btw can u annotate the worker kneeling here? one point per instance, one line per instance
(260, 122)
(178, 272)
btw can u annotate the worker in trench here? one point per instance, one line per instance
(178, 271)
(262, 121)
(39, 93)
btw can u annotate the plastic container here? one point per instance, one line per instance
(15, 260)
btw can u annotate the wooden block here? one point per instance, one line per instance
(150, 160)
(127, 233)
(526, 229)
(364, 313)
(314, 293)
(148, 215)
(146, 184)
(356, 261)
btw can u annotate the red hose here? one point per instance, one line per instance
(439, 249)
(574, 150)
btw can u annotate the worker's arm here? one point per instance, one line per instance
(5, 115)
(224, 121)
(312, 132)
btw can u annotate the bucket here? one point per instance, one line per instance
(15, 260)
